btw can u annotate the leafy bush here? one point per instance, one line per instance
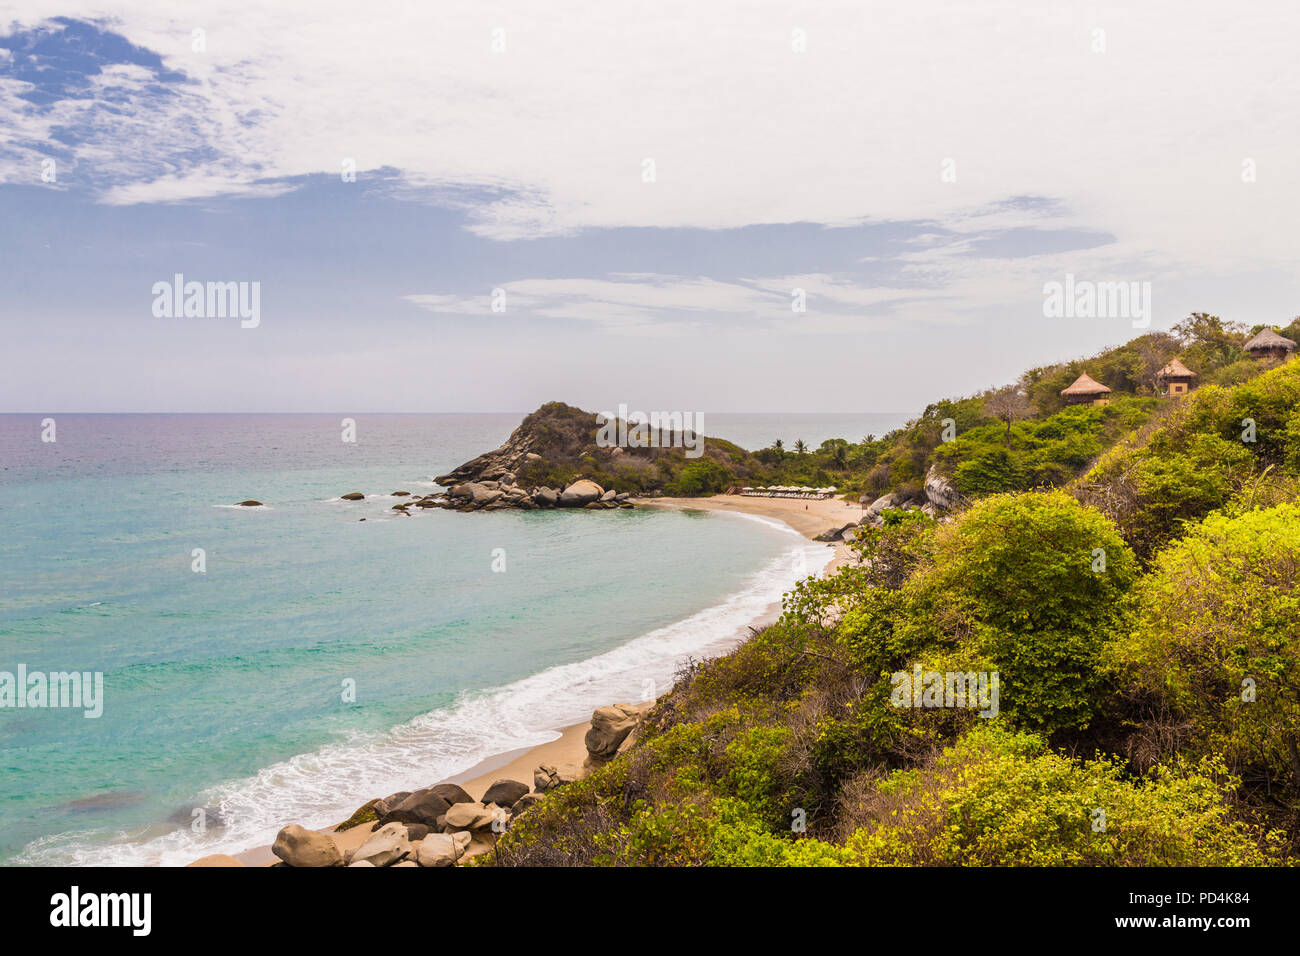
(997, 798)
(1217, 639)
(1033, 583)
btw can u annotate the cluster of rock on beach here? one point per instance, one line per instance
(442, 825)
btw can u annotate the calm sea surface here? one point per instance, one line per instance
(320, 660)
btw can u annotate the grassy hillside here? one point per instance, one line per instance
(1144, 625)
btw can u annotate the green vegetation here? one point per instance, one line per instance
(1142, 617)
(1015, 438)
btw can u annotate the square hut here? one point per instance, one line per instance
(1267, 344)
(1176, 378)
(1086, 391)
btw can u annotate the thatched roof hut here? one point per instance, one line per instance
(1084, 390)
(1176, 377)
(1267, 343)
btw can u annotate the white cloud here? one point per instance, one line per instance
(1144, 141)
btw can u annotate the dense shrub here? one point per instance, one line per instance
(1000, 798)
(1217, 639)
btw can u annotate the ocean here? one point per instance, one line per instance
(282, 664)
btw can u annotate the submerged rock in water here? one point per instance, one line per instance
(250, 503)
(353, 496)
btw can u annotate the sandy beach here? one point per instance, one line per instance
(808, 517)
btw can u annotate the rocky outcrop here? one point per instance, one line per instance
(939, 491)
(493, 495)
(561, 443)
(298, 846)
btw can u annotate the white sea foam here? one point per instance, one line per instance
(320, 788)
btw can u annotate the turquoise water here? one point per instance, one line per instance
(224, 691)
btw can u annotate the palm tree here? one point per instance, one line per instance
(778, 445)
(800, 447)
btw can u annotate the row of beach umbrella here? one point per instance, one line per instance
(804, 489)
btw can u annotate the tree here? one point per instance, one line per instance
(1154, 351)
(1008, 404)
(800, 447)
(1216, 641)
(1034, 584)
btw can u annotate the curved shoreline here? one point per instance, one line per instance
(569, 746)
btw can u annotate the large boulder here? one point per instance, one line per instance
(452, 793)
(353, 496)
(298, 846)
(882, 503)
(581, 493)
(546, 497)
(385, 847)
(834, 534)
(939, 491)
(471, 816)
(872, 515)
(422, 806)
(504, 793)
(610, 726)
(250, 503)
(442, 849)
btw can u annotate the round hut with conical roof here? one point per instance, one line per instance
(1176, 378)
(1267, 344)
(1086, 391)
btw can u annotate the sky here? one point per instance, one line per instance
(483, 206)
